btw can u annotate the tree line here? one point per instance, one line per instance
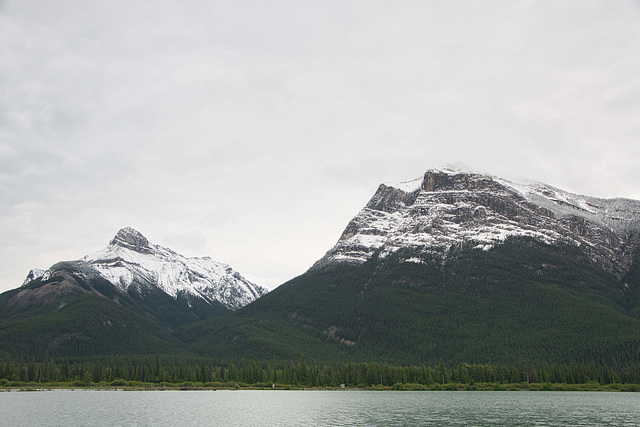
(171, 370)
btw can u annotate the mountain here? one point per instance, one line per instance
(455, 266)
(450, 207)
(125, 297)
(461, 267)
(135, 266)
(130, 261)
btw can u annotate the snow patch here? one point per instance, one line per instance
(407, 186)
(414, 260)
(34, 274)
(173, 273)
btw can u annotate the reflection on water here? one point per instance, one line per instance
(313, 408)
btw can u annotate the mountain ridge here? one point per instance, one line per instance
(458, 267)
(451, 206)
(128, 297)
(130, 260)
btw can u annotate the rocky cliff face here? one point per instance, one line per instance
(449, 207)
(131, 239)
(132, 264)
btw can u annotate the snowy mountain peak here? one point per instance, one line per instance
(130, 238)
(452, 206)
(33, 274)
(436, 176)
(132, 262)
(134, 265)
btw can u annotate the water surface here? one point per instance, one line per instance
(318, 408)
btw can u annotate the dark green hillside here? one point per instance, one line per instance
(81, 326)
(522, 301)
(76, 312)
(151, 303)
(631, 284)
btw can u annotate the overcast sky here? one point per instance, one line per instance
(253, 131)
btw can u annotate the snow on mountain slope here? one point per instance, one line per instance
(33, 275)
(131, 261)
(447, 207)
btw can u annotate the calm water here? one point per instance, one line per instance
(317, 408)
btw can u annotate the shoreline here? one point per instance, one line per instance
(557, 387)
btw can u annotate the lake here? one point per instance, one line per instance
(317, 408)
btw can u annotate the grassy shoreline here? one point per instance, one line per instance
(140, 386)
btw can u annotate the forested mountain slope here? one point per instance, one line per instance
(124, 298)
(460, 267)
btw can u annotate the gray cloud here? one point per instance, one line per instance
(253, 131)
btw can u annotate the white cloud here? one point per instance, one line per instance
(253, 131)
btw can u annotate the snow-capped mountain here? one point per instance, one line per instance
(33, 274)
(448, 207)
(132, 264)
(459, 266)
